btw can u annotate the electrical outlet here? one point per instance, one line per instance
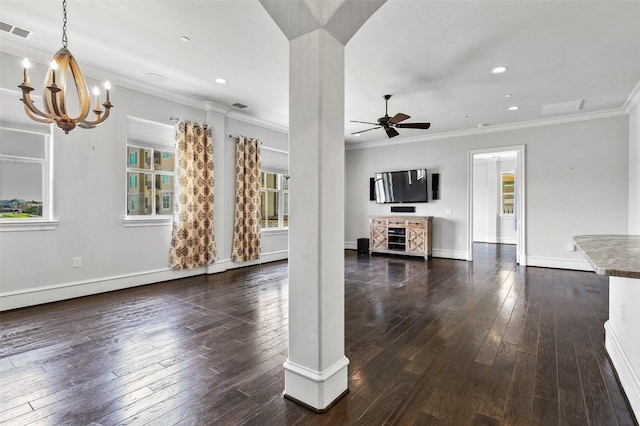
(623, 313)
(448, 211)
(77, 262)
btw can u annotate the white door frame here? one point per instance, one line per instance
(521, 251)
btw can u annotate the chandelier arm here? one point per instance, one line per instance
(32, 111)
(58, 110)
(34, 117)
(86, 124)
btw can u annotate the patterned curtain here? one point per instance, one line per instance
(246, 230)
(192, 241)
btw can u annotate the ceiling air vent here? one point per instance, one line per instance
(239, 105)
(562, 107)
(12, 29)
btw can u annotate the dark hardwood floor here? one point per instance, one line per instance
(437, 342)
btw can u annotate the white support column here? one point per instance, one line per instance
(316, 373)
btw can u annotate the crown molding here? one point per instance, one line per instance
(490, 129)
(117, 80)
(633, 99)
(235, 115)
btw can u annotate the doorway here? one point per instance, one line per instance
(496, 209)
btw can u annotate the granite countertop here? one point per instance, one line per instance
(616, 255)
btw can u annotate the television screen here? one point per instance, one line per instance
(407, 186)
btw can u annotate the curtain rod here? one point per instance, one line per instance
(237, 136)
(266, 148)
(176, 119)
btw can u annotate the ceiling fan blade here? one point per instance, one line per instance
(391, 132)
(398, 118)
(413, 126)
(366, 130)
(363, 122)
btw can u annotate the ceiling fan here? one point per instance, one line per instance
(390, 124)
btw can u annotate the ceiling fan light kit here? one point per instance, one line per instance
(54, 92)
(390, 124)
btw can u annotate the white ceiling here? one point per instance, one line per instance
(434, 57)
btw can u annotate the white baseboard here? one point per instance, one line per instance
(559, 263)
(449, 254)
(495, 240)
(70, 290)
(626, 374)
(317, 389)
(350, 245)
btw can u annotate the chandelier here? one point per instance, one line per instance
(55, 91)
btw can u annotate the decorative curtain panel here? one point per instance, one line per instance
(192, 240)
(246, 233)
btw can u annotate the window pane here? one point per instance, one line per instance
(269, 180)
(20, 189)
(272, 209)
(139, 193)
(164, 194)
(164, 160)
(139, 158)
(285, 183)
(22, 144)
(263, 209)
(285, 210)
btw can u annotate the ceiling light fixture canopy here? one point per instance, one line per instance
(55, 91)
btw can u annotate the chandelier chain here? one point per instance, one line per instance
(64, 24)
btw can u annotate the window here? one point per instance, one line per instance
(274, 196)
(154, 194)
(150, 171)
(25, 175)
(507, 192)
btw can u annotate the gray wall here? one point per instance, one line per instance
(576, 183)
(89, 202)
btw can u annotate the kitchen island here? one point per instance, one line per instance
(618, 256)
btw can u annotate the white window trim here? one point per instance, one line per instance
(136, 221)
(137, 130)
(280, 191)
(47, 221)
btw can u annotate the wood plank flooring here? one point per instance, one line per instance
(437, 342)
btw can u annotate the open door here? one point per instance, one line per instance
(507, 201)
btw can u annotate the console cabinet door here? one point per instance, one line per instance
(416, 240)
(379, 238)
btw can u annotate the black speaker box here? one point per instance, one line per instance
(435, 186)
(403, 209)
(372, 189)
(363, 245)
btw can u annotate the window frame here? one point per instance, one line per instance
(152, 137)
(46, 221)
(282, 200)
(503, 192)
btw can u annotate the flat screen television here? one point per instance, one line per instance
(406, 186)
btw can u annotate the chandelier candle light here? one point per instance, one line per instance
(54, 92)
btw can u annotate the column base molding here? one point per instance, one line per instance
(317, 391)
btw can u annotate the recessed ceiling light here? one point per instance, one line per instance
(483, 125)
(499, 70)
(508, 95)
(154, 78)
(221, 81)
(513, 108)
(185, 39)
